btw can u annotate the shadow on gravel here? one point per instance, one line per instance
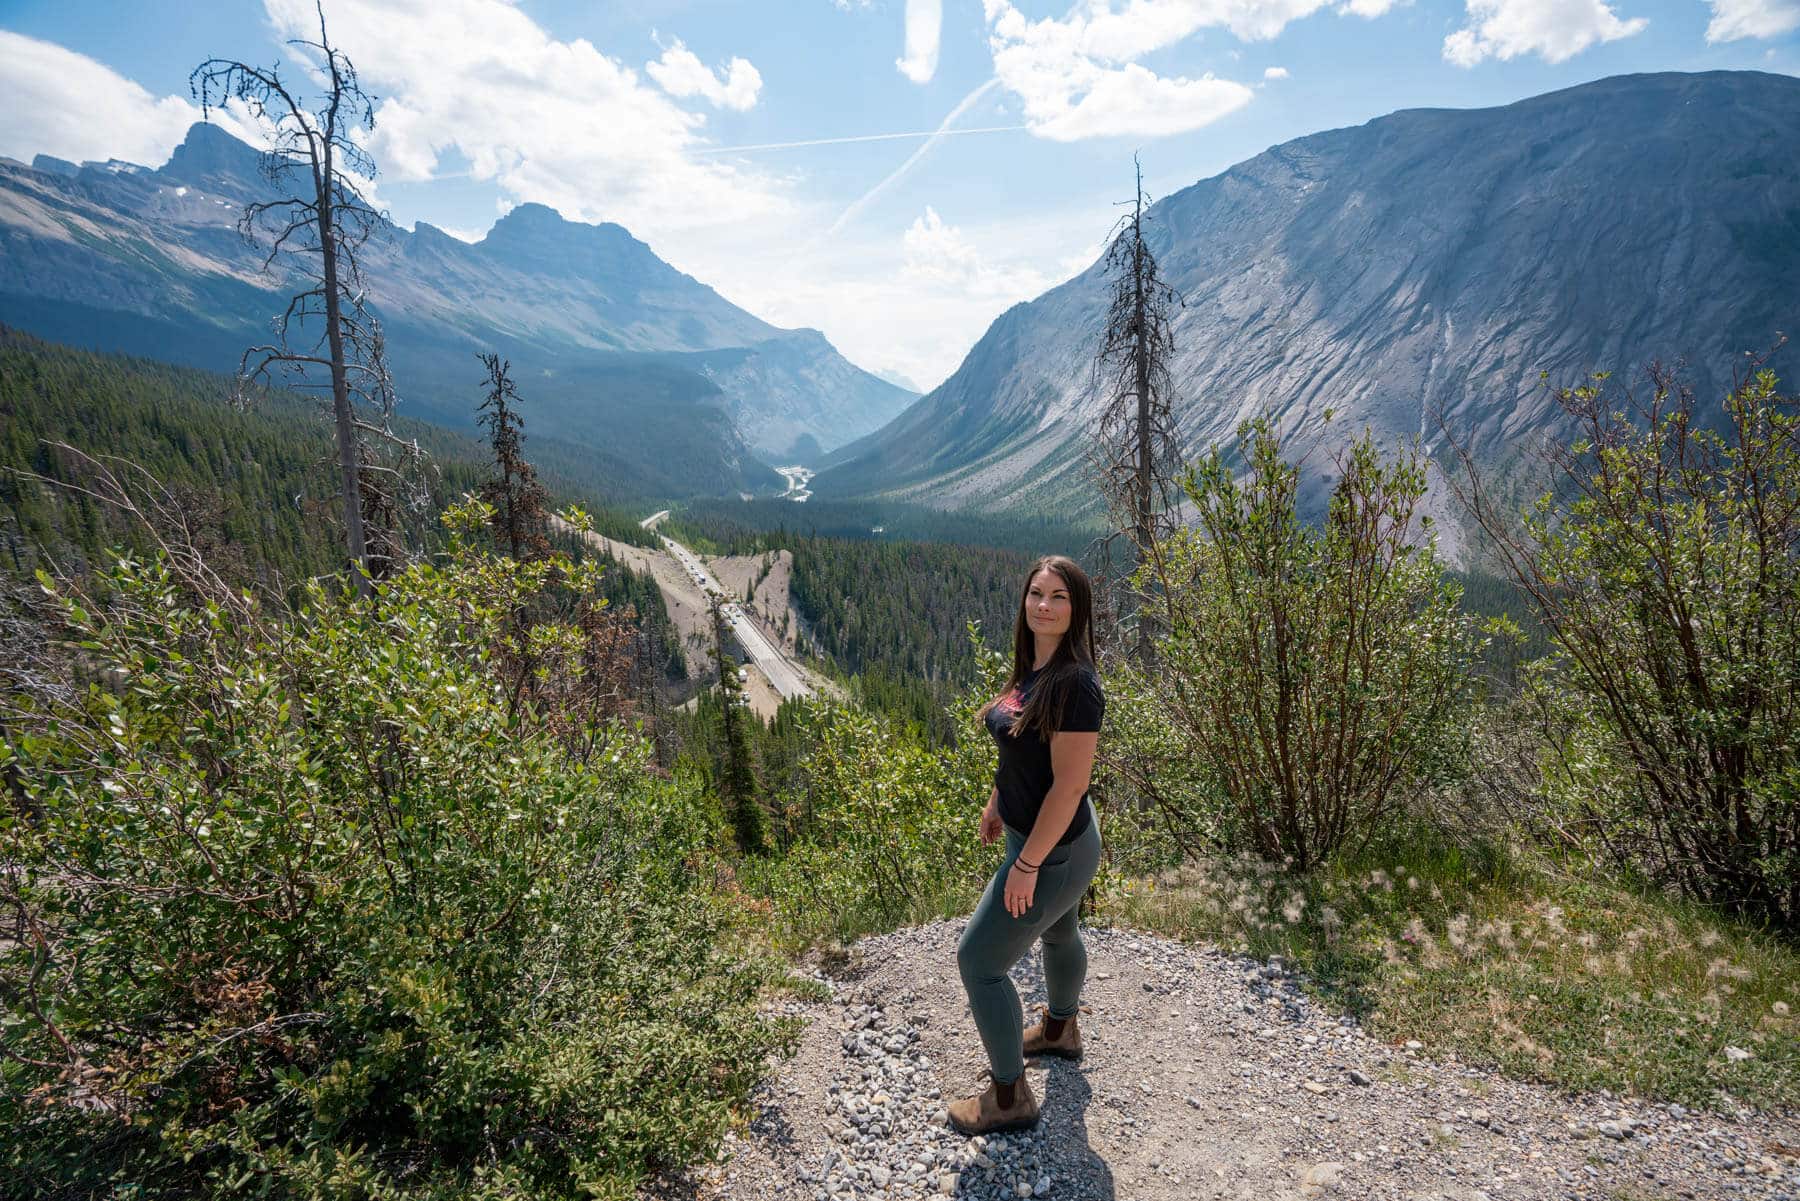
(1076, 1170)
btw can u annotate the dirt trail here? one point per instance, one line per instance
(1206, 1075)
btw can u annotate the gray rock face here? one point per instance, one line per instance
(117, 247)
(1428, 261)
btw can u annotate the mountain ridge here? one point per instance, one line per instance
(1428, 260)
(149, 260)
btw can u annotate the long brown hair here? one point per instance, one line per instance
(1074, 652)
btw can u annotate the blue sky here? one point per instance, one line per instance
(675, 117)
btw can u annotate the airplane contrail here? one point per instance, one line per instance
(866, 137)
(856, 206)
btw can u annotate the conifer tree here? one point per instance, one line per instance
(738, 784)
(521, 524)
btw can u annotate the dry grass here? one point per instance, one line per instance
(1550, 974)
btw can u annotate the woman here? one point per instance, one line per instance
(1046, 722)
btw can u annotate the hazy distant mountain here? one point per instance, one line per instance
(611, 346)
(899, 380)
(1428, 259)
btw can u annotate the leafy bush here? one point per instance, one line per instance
(885, 824)
(1315, 673)
(305, 907)
(1161, 806)
(1668, 577)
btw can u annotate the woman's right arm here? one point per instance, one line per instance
(988, 828)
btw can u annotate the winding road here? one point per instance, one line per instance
(781, 672)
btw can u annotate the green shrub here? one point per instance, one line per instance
(302, 912)
(885, 824)
(1315, 674)
(1668, 576)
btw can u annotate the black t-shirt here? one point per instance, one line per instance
(1023, 775)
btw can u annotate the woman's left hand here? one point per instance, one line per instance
(1021, 886)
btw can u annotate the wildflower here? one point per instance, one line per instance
(1456, 931)
(1295, 907)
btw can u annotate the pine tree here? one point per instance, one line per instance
(520, 522)
(739, 781)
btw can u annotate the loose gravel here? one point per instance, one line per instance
(1206, 1075)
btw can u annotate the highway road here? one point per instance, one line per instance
(765, 654)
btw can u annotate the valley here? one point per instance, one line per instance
(766, 626)
(580, 781)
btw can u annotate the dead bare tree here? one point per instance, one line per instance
(1136, 454)
(321, 227)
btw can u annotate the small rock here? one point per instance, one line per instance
(1042, 1187)
(1361, 1079)
(1738, 1054)
(1314, 1087)
(1023, 1188)
(1320, 1177)
(1413, 1044)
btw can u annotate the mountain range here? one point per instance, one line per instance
(665, 386)
(1430, 261)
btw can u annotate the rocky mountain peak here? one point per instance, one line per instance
(537, 236)
(211, 158)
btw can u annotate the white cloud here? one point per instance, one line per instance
(682, 74)
(1734, 19)
(1275, 73)
(924, 27)
(942, 256)
(1556, 30)
(69, 106)
(1078, 75)
(547, 120)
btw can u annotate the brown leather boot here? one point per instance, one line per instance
(1067, 1047)
(983, 1115)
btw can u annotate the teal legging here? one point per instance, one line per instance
(994, 940)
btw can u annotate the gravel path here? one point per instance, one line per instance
(1206, 1075)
